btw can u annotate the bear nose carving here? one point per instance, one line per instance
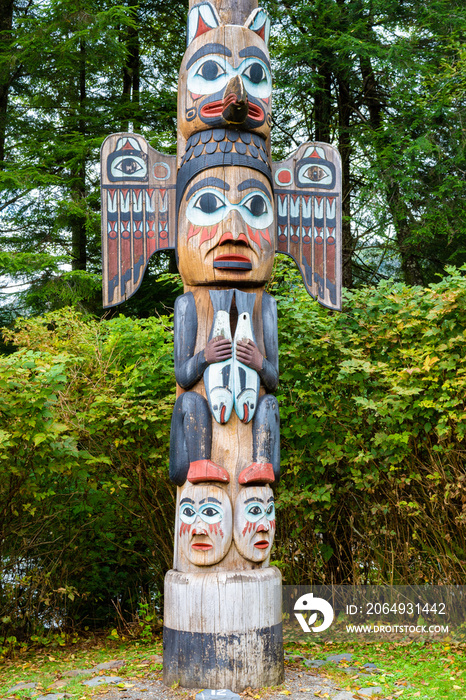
(235, 101)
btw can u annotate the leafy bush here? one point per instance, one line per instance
(373, 423)
(86, 502)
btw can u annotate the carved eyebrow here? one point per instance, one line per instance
(270, 499)
(253, 183)
(254, 498)
(206, 50)
(254, 51)
(186, 500)
(208, 182)
(210, 499)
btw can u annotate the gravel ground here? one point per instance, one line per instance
(105, 681)
(298, 685)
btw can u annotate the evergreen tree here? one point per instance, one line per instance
(374, 78)
(383, 81)
(87, 69)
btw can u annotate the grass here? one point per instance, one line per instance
(411, 668)
(417, 667)
(45, 666)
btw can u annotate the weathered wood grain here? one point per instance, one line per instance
(223, 630)
(231, 443)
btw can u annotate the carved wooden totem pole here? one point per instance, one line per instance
(226, 209)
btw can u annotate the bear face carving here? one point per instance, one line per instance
(225, 76)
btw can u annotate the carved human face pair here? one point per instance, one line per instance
(207, 524)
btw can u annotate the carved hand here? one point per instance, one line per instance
(249, 354)
(218, 349)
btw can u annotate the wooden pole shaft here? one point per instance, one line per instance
(223, 630)
(222, 618)
(225, 210)
(232, 11)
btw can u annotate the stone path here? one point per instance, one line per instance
(306, 680)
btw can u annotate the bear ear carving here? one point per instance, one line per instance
(201, 18)
(259, 22)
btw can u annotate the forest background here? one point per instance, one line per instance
(372, 399)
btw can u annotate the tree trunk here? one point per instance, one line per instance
(344, 146)
(136, 83)
(77, 220)
(131, 80)
(6, 23)
(323, 103)
(412, 273)
(400, 213)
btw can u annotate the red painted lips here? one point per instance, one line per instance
(216, 109)
(262, 544)
(255, 112)
(232, 257)
(202, 546)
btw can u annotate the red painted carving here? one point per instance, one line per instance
(216, 528)
(208, 232)
(202, 27)
(184, 527)
(284, 177)
(205, 470)
(249, 527)
(232, 258)
(331, 254)
(257, 473)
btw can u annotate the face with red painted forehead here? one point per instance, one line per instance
(226, 228)
(254, 528)
(205, 524)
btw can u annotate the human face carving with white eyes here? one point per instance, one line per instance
(226, 228)
(254, 528)
(205, 524)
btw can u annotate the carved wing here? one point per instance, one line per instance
(138, 211)
(308, 214)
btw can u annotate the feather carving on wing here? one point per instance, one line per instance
(138, 211)
(308, 214)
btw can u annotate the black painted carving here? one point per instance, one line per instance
(208, 152)
(190, 435)
(266, 434)
(191, 428)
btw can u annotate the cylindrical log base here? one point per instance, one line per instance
(223, 630)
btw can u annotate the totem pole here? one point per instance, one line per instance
(226, 209)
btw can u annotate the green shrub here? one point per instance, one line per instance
(373, 423)
(88, 508)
